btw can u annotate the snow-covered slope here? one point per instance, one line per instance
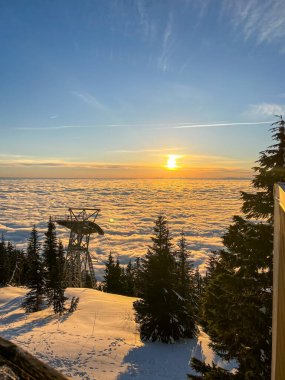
(98, 341)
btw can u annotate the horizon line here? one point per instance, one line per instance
(131, 178)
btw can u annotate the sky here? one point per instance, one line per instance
(110, 89)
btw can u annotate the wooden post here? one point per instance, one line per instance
(278, 316)
(23, 365)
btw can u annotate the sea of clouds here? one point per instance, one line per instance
(202, 208)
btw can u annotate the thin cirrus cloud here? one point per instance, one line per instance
(30, 162)
(52, 127)
(167, 43)
(153, 30)
(262, 20)
(90, 100)
(9, 156)
(158, 150)
(266, 109)
(147, 25)
(213, 158)
(69, 126)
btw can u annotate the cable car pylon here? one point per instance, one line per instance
(79, 271)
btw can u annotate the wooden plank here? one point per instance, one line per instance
(24, 365)
(278, 318)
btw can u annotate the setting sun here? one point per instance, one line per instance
(171, 162)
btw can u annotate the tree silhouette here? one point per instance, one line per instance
(33, 300)
(161, 311)
(238, 297)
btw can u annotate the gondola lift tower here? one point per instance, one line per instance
(79, 271)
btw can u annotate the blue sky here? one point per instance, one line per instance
(111, 88)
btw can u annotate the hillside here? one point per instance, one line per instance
(99, 341)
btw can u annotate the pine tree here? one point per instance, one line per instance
(186, 289)
(109, 267)
(54, 269)
(32, 255)
(119, 274)
(59, 282)
(137, 274)
(158, 311)
(49, 257)
(238, 297)
(112, 277)
(15, 260)
(199, 285)
(129, 279)
(33, 300)
(3, 263)
(211, 372)
(270, 171)
(210, 267)
(12, 264)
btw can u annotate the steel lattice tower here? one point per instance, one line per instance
(79, 271)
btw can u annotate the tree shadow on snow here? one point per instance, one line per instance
(157, 361)
(16, 317)
(65, 316)
(10, 306)
(12, 332)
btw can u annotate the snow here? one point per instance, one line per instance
(98, 341)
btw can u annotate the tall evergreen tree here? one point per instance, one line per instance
(53, 254)
(12, 264)
(119, 274)
(210, 267)
(112, 277)
(186, 288)
(3, 263)
(198, 281)
(137, 274)
(271, 169)
(59, 282)
(49, 259)
(129, 280)
(159, 310)
(109, 268)
(34, 275)
(32, 255)
(238, 297)
(15, 261)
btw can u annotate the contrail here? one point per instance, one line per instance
(142, 125)
(221, 124)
